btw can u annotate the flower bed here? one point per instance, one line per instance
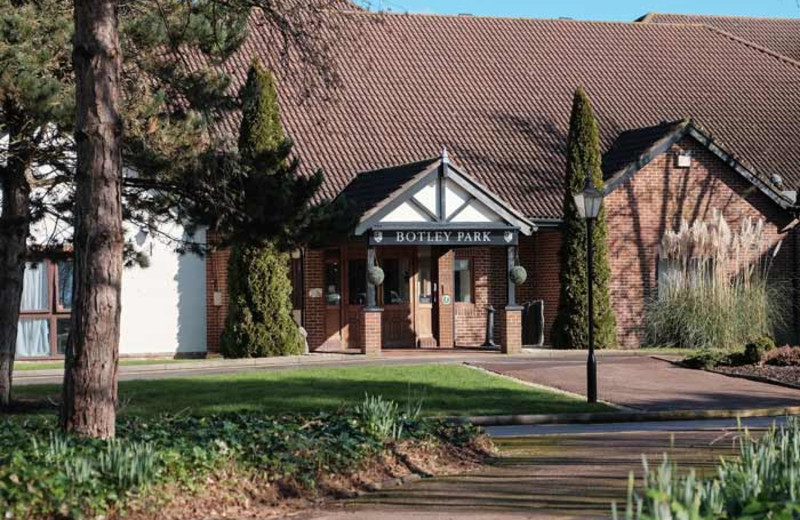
(232, 464)
(781, 365)
(763, 481)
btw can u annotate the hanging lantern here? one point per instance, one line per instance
(375, 275)
(518, 275)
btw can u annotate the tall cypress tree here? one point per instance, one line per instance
(260, 321)
(583, 157)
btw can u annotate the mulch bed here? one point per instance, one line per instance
(228, 494)
(786, 375)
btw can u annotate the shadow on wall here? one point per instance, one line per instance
(191, 279)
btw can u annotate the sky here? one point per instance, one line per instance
(592, 9)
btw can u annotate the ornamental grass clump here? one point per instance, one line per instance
(714, 289)
(763, 481)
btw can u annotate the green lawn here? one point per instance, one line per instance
(447, 390)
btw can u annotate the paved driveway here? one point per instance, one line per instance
(647, 383)
(551, 476)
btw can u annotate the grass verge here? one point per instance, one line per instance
(447, 390)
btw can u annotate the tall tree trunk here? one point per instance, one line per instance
(90, 381)
(14, 230)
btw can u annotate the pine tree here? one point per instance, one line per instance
(260, 321)
(583, 157)
(185, 172)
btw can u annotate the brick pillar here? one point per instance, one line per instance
(371, 332)
(217, 298)
(511, 330)
(314, 273)
(446, 332)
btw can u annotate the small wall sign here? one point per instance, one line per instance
(315, 293)
(446, 299)
(450, 237)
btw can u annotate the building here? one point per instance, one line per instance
(694, 116)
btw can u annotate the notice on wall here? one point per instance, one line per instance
(315, 293)
(454, 237)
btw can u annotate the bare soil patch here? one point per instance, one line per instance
(789, 375)
(231, 494)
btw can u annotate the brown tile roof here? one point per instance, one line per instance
(368, 189)
(781, 35)
(497, 93)
(631, 145)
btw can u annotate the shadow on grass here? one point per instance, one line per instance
(302, 393)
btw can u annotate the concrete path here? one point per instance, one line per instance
(649, 384)
(545, 476)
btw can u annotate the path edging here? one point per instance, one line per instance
(621, 417)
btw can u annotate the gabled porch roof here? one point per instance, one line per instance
(431, 194)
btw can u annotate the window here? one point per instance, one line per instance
(64, 278)
(45, 308)
(357, 282)
(395, 283)
(424, 283)
(333, 289)
(463, 280)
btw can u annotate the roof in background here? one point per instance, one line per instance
(781, 35)
(497, 93)
(635, 149)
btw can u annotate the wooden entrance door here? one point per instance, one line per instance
(425, 298)
(395, 294)
(332, 292)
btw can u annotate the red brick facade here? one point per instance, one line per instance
(488, 266)
(511, 340)
(217, 301)
(371, 332)
(639, 211)
(656, 199)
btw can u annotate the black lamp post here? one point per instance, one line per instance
(588, 203)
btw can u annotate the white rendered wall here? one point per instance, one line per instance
(164, 305)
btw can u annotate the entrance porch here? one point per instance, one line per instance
(444, 247)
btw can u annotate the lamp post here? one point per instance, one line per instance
(588, 203)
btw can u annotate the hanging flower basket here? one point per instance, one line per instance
(518, 275)
(375, 275)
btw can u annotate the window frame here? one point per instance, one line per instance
(471, 268)
(54, 311)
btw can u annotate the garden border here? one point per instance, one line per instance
(757, 379)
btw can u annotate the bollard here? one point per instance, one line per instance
(490, 328)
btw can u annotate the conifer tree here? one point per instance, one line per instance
(185, 171)
(260, 321)
(583, 158)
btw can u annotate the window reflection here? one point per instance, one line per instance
(395, 284)
(333, 291)
(463, 280)
(357, 282)
(65, 284)
(424, 284)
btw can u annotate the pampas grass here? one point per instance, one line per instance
(714, 289)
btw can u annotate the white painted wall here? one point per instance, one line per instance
(164, 305)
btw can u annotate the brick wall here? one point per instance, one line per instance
(216, 282)
(314, 274)
(489, 288)
(539, 255)
(371, 331)
(656, 199)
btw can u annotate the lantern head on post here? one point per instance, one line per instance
(589, 200)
